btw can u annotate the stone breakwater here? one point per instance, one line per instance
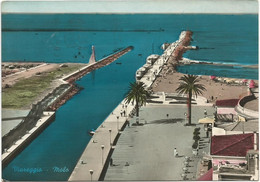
(70, 79)
(183, 46)
(74, 89)
(104, 62)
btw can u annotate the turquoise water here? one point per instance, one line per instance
(68, 38)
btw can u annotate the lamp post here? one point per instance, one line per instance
(117, 123)
(126, 110)
(102, 147)
(110, 136)
(91, 172)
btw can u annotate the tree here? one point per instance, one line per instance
(137, 94)
(189, 85)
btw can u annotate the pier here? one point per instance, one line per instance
(95, 158)
(99, 64)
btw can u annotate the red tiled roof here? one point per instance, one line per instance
(207, 176)
(227, 103)
(232, 145)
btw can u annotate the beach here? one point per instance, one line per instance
(218, 90)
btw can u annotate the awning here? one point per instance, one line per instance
(206, 120)
(226, 110)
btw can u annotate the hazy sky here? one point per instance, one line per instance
(133, 6)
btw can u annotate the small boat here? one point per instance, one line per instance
(118, 63)
(91, 132)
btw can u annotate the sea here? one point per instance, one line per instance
(61, 38)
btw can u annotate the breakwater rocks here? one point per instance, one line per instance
(105, 61)
(183, 45)
(74, 89)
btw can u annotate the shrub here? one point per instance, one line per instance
(196, 133)
(197, 129)
(196, 137)
(195, 145)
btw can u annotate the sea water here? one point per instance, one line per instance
(68, 38)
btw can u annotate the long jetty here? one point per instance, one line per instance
(95, 158)
(47, 117)
(99, 64)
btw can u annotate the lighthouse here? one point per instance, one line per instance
(92, 58)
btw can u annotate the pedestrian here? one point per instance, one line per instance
(167, 115)
(128, 123)
(205, 112)
(123, 106)
(124, 113)
(121, 113)
(175, 152)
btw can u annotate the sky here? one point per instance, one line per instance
(133, 6)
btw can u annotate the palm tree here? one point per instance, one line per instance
(137, 94)
(189, 85)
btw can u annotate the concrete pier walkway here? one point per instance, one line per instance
(93, 157)
(156, 68)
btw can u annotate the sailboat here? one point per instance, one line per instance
(92, 58)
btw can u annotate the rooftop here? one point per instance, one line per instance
(232, 145)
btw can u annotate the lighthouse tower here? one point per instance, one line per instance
(92, 58)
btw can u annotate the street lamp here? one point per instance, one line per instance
(117, 123)
(91, 172)
(102, 147)
(126, 110)
(110, 136)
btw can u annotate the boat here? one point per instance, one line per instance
(91, 132)
(151, 59)
(140, 73)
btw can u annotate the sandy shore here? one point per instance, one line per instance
(170, 82)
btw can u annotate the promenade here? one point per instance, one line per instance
(146, 152)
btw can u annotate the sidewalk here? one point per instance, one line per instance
(93, 157)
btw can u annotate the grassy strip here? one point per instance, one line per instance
(25, 91)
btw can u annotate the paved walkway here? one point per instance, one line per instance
(157, 67)
(93, 157)
(148, 149)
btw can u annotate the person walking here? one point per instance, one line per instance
(205, 113)
(175, 152)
